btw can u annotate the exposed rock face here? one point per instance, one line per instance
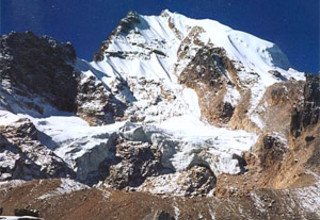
(26, 212)
(207, 74)
(272, 151)
(96, 104)
(33, 67)
(24, 157)
(277, 162)
(308, 112)
(39, 75)
(200, 181)
(125, 25)
(278, 100)
(171, 106)
(135, 160)
(305, 124)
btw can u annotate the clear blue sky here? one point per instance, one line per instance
(292, 24)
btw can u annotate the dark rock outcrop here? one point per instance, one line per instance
(308, 112)
(136, 158)
(271, 152)
(96, 104)
(24, 157)
(202, 181)
(39, 66)
(136, 161)
(27, 212)
(159, 215)
(277, 74)
(226, 111)
(124, 26)
(207, 75)
(39, 75)
(210, 68)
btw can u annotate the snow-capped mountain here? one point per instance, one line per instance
(169, 105)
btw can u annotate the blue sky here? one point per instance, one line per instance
(292, 24)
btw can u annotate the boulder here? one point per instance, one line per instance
(159, 215)
(27, 212)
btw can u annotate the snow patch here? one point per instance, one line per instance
(309, 198)
(232, 96)
(67, 186)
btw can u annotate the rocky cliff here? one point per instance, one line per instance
(189, 111)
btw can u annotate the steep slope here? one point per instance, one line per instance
(170, 105)
(211, 78)
(172, 48)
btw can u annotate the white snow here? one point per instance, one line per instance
(153, 81)
(11, 183)
(176, 210)
(254, 54)
(7, 118)
(211, 212)
(62, 128)
(232, 96)
(309, 198)
(67, 186)
(164, 184)
(258, 202)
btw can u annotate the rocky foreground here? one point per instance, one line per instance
(175, 118)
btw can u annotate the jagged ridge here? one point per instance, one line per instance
(168, 100)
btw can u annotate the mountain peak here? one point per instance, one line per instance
(175, 29)
(170, 105)
(166, 13)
